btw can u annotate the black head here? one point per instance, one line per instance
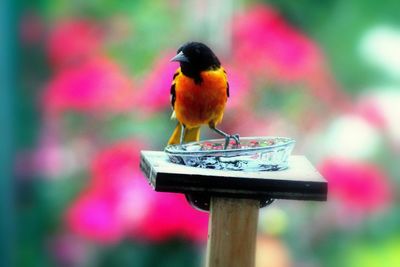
(194, 58)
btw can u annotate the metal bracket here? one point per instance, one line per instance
(202, 201)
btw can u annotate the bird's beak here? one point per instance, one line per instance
(180, 57)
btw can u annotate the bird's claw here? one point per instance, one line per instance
(234, 137)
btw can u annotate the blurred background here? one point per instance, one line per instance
(85, 87)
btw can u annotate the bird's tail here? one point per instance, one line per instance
(190, 135)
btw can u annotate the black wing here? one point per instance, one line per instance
(227, 85)
(172, 95)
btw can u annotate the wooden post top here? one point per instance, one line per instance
(300, 181)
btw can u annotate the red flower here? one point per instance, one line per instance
(73, 40)
(119, 203)
(93, 86)
(360, 187)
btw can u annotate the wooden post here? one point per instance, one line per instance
(235, 199)
(232, 232)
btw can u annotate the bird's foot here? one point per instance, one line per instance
(228, 138)
(236, 137)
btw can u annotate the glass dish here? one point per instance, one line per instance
(252, 154)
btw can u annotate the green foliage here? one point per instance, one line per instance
(149, 26)
(338, 26)
(168, 254)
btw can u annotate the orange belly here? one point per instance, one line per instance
(204, 103)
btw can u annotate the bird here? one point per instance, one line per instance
(198, 93)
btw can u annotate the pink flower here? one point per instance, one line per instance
(265, 45)
(73, 40)
(172, 216)
(119, 202)
(97, 85)
(264, 38)
(156, 86)
(50, 159)
(115, 199)
(239, 86)
(381, 108)
(359, 187)
(368, 109)
(93, 216)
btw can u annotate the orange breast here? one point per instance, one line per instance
(204, 103)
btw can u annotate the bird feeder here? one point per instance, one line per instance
(233, 184)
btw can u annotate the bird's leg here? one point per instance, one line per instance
(227, 136)
(183, 129)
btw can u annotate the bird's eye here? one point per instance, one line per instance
(197, 51)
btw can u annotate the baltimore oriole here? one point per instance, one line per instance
(199, 92)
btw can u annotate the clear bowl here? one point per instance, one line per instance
(253, 154)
